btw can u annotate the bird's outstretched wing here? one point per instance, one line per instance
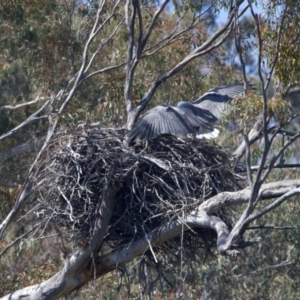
(224, 93)
(160, 120)
(187, 118)
(164, 119)
(216, 99)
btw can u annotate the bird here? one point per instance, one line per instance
(187, 118)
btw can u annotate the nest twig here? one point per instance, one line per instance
(161, 180)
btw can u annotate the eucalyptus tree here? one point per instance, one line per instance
(94, 57)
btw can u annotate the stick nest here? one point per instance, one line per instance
(159, 181)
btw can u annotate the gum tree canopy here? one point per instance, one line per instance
(79, 202)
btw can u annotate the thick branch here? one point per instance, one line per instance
(76, 270)
(267, 191)
(69, 278)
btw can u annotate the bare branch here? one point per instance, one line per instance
(279, 154)
(152, 24)
(27, 187)
(140, 36)
(30, 119)
(278, 166)
(14, 107)
(264, 92)
(270, 226)
(169, 39)
(282, 264)
(237, 38)
(248, 161)
(131, 64)
(101, 45)
(291, 91)
(254, 135)
(102, 71)
(267, 191)
(64, 281)
(199, 51)
(273, 205)
(18, 239)
(259, 179)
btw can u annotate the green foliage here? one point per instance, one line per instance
(280, 32)
(245, 110)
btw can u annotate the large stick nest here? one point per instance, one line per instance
(161, 181)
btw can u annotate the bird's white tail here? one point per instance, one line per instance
(210, 135)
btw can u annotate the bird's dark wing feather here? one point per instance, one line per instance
(222, 93)
(197, 117)
(215, 100)
(215, 108)
(231, 90)
(161, 120)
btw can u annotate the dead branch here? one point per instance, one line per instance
(17, 106)
(30, 119)
(282, 264)
(255, 189)
(212, 43)
(267, 191)
(270, 226)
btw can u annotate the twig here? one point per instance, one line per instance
(14, 107)
(282, 264)
(270, 226)
(30, 119)
(18, 239)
